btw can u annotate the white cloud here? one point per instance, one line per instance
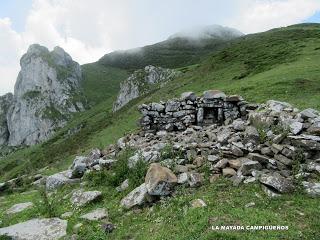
(89, 29)
(10, 51)
(260, 15)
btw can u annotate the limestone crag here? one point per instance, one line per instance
(141, 82)
(5, 102)
(46, 92)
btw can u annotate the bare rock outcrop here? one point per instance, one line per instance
(141, 82)
(46, 92)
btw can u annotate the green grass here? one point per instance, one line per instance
(171, 53)
(173, 218)
(101, 82)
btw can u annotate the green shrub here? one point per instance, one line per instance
(120, 172)
(47, 206)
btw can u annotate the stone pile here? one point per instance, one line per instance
(276, 145)
(179, 114)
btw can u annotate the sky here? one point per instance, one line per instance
(88, 29)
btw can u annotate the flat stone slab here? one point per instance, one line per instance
(37, 229)
(60, 179)
(96, 215)
(19, 207)
(80, 198)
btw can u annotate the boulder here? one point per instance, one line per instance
(296, 127)
(277, 182)
(198, 203)
(214, 94)
(278, 106)
(314, 129)
(80, 198)
(124, 185)
(39, 229)
(66, 215)
(228, 172)
(251, 135)
(260, 158)
(221, 164)
(235, 164)
(159, 180)
(137, 197)
(195, 179)
(223, 135)
(312, 189)
(183, 178)
(60, 179)
(78, 170)
(248, 166)
(239, 125)
(188, 96)
(309, 113)
(95, 215)
(271, 193)
(19, 207)
(284, 160)
(172, 106)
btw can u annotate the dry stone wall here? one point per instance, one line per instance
(214, 107)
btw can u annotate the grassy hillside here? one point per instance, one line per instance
(101, 82)
(172, 53)
(281, 64)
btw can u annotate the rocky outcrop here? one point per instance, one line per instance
(5, 102)
(141, 82)
(46, 92)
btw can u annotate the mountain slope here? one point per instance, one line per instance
(179, 50)
(280, 64)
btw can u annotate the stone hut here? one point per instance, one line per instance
(214, 107)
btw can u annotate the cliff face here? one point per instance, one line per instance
(46, 92)
(141, 82)
(5, 102)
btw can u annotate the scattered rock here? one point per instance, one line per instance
(235, 164)
(251, 135)
(66, 215)
(124, 185)
(60, 179)
(198, 203)
(188, 96)
(296, 127)
(95, 215)
(249, 166)
(228, 172)
(183, 178)
(277, 182)
(40, 229)
(313, 189)
(270, 192)
(250, 204)
(214, 94)
(19, 207)
(80, 198)
(309, 113)
(195, 179)
(137, 197)
(160, 180)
